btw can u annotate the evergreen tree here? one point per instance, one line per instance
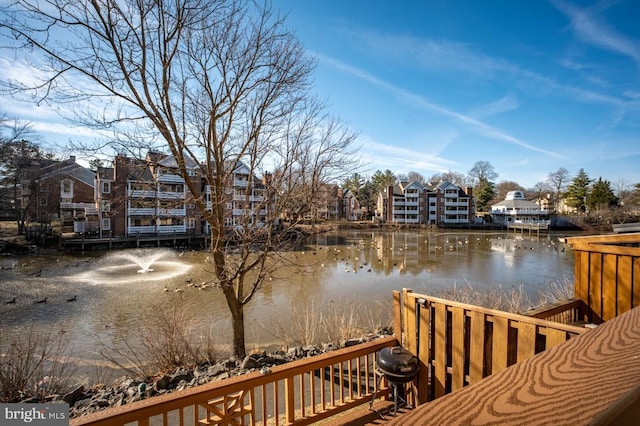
(381, 180)
(576, 193)
(601, 195)
(635, 195)
(485, 192)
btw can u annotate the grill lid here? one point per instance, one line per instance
(397, 362)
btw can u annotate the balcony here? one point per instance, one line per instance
(141, 211)
(449, 203)
(170, 178)
(477, 365)
(172, 212)
(167, 195)
(141, 193)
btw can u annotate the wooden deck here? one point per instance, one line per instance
(593, 378)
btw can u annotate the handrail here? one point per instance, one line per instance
(607, 268)
(300, 392)
(592, 379)
(459, 344)
(568, 312)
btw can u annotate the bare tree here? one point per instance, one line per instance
(540, 191)
(415, 177)
(558, 181)
(482, 171)
(221, 83)
(455, 178)
(622, 190)
(505, 186)
(19, 146)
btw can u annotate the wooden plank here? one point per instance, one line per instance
(410, 332)
(554, 337)
(550, 387)
(457, 348)
(595, 284)
(625, 284)
(289, 393)
(581, 276)
(636, 282)
(476, 349)
(423, 354)
(526, 341)
(609, 286)
(440, 347)
(494, 312)
(500, 344)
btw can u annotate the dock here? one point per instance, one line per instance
(529, 226)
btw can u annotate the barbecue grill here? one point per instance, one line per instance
(398, 366)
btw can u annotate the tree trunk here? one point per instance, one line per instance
(237, 323)
(237, 319)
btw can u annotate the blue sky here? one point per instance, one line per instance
(530, 86)
(437, 85)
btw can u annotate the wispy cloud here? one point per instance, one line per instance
(590, 28)
(476, 126)
(504, 104)
(447, 56)
(382, 156)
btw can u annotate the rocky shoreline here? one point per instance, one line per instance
(83, 401)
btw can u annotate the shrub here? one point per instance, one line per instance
(34, 364)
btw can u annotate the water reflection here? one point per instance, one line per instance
(361, 267)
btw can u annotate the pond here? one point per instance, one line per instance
(110, 297)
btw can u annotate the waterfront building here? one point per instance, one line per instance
(515, 208)
(443, 204)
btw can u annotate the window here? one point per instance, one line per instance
(106, 187)
(106, 206)
(66, 186)
(191, 223)
(106, 224)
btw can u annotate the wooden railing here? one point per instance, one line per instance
(300, 392)
(573, 312)
(591, 379)
(607, 273)
(459, 344)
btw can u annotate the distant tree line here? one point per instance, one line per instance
(579, 192)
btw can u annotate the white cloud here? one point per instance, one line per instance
(591, 29)
(380, 156)
(504, 104)
(471, 124)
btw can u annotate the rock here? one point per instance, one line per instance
(180, 377)
(352, 342)
(250, 363)
(216, 370)
(163, 382)
(75, 395)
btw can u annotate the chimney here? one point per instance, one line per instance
(469, 191)
(72, 158)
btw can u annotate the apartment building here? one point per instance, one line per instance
(403, 203)
(413, 203)
(449, 204)
(57, 191)
(136, 197)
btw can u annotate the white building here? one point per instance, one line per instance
(515, 208)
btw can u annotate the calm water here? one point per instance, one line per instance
(116, 291)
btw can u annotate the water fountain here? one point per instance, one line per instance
(134, 266)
